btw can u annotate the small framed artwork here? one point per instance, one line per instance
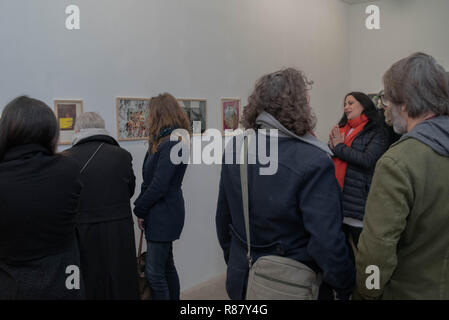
(376, 99)
(66, 112)
(230, 114)
(196, 110)
(132, 118)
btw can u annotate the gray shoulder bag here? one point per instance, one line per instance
(274, 277)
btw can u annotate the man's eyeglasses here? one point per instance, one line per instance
(384, 102)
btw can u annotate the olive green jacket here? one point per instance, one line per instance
(406, 225)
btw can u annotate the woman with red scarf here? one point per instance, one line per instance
(358, 142)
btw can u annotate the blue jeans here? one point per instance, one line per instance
(160, 271)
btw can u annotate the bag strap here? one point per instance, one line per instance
(91, 157)
(244, 183)
(140, 244)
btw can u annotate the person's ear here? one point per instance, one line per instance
(404, 109)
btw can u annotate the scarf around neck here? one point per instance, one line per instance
(350, 131)
(165, 131)
(86, 133)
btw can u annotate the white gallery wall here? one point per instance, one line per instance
(407, 26)
(190, 48)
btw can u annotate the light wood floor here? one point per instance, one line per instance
(214, 289)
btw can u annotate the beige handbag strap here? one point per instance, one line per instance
(244, 183)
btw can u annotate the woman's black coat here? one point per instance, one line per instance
(361, 157)
(105, 226)
(39, 197)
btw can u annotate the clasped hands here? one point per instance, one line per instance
(335, 137)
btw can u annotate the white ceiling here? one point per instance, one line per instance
(358, 1)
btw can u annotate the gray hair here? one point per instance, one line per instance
(89, 120)
(420, 83)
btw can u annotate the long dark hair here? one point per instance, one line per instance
(369, 109)
(28, 121)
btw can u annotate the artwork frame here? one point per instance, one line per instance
(186, 105)
(66, 112)
(376, 99)
(132, 118)
(236, 104)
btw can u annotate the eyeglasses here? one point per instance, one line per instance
(384, 102)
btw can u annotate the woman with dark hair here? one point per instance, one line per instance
(39, 196)
(160, 205)
(358, 142)
(295, 212)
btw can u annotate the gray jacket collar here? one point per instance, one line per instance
(267, 121)
(434, 133)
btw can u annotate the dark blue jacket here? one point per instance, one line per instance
(361, 157)
(161, 202)
(295, 213)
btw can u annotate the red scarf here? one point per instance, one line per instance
(357, 125)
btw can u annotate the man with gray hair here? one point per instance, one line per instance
(403, 251)
(105, 225)
(88, 124)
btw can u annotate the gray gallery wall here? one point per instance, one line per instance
(407, 26)
(191, 48)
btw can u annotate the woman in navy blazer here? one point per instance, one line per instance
(160, 205)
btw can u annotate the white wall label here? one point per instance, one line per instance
(372, 22)
(373, 280)
(73, 280)
(73, 20)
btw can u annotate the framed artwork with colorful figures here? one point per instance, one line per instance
(132, 118)
(230, 114)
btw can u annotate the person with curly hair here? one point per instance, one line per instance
(294, 213)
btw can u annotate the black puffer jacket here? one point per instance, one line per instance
(361, 157)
